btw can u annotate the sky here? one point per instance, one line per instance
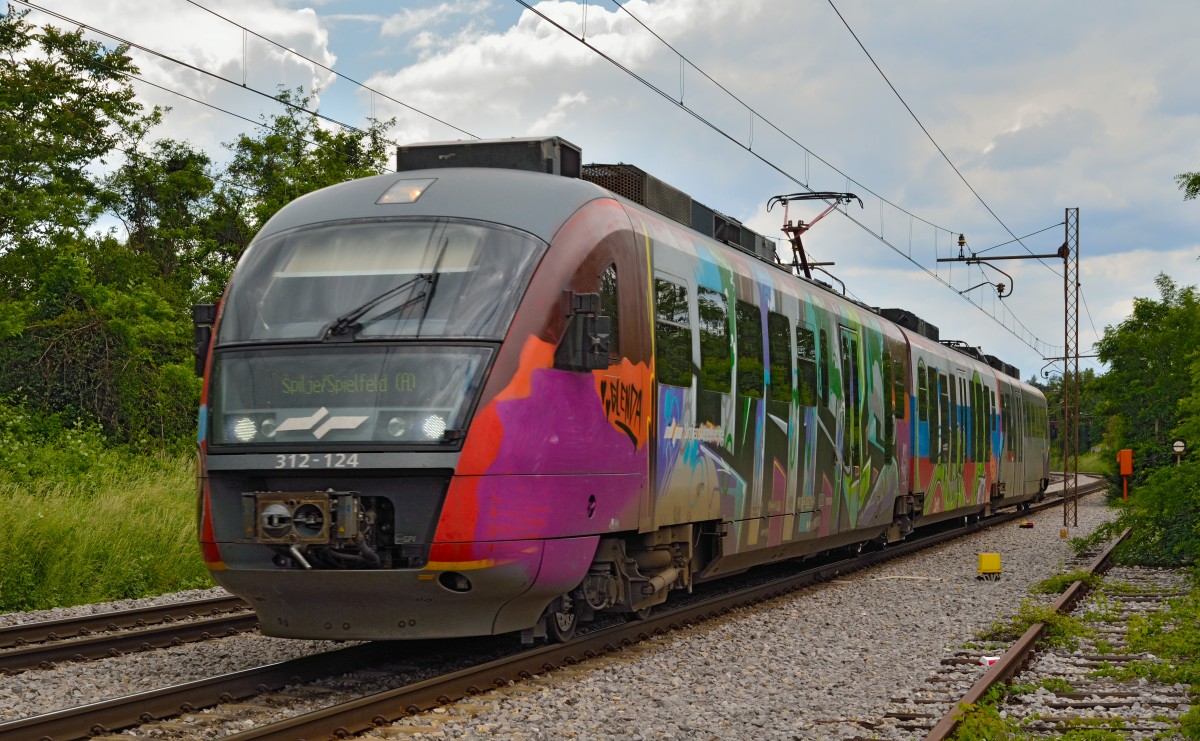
(1019, 111)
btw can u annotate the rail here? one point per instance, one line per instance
(364, 713)
(1019, 653)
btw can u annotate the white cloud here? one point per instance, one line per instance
(186, 37)
(1040, 105)
(412, 20)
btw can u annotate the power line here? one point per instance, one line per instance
(717, 129)
(763, 118)
(961, 177)
(1027, 236)
(331, 70)
(286, 103)
(933, 141)
(194, 68)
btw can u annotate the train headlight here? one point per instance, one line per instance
(397, 426)
(406, 191)
(245, 430)
(434, 427)
(267, 428)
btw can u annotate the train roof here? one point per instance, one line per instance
(515, 198)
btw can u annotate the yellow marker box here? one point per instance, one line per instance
(989, 563)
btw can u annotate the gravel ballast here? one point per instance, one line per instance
(822, 663)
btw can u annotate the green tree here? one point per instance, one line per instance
(1150, 356)
(164, 199)
(65, 103)
(96, 327)
(1189, 183)
(1092, 422)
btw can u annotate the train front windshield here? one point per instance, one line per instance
(343, 333)
(380, 279)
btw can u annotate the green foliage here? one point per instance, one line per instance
(86, 521)
(95, 329)
(1189, 183)
(1057, 684)
(1061, 630)
(1165, 519)
(1092, 423)
(292, 155)
(101, 351)
(1059, 583)
(64, 103)
(1151, 357)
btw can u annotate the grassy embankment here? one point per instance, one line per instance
(87, 522)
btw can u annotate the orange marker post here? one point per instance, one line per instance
(1125, 462)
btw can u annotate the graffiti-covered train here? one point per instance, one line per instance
(455, 401)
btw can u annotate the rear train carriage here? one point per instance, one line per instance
(463, 401)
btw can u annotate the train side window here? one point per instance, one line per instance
(977, 411)
(953, 425)
(672, 334)
(749, 349)
(935, 430)
(715, 364)
(823, 378)
(900, 386)
(806, 365)
(780, 346)
(922, 394)
(608, 306)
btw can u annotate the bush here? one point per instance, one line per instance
(1165, 519)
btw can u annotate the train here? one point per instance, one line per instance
(500, 391)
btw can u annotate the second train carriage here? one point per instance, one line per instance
(469, 401)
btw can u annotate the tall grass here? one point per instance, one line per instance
(85, 522)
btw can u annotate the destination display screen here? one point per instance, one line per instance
(408, 395)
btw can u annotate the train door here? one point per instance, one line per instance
(953, 479)
(953, 462)
(828, 473)
(853, 447)
(1005, 481)
(922, 444)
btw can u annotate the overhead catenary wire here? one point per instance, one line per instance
(1044, 346)
(193, 99)
(929, 136)
(331, 70)
(957, 172)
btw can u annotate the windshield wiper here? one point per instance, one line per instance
(348, 322)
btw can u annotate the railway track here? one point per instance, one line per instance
(1050, 687)
(231, 693)
(37, 645)
(1054, 687)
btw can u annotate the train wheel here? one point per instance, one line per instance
(561, 620)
